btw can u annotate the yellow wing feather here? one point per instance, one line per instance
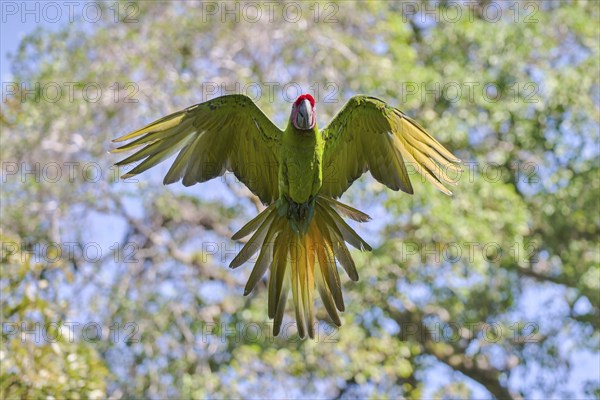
(369, 135)
(229, 133)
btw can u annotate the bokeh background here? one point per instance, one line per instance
(120, 288)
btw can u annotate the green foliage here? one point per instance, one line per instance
(38, 359)
(514, 249)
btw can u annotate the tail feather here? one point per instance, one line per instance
(278, 266)
(330, 295)
(254, 224)
(349, 235)
(306, 267)
(264, 259)
(281, 303)
(328, 267)
(347, 211)
(297, 259)
(342, 254)
(255, 242)
(302, 261)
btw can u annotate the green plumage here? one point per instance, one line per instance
(301, 235)
(300, 168)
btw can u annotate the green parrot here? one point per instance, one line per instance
(298, 174)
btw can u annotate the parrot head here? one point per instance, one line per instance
(304, 116)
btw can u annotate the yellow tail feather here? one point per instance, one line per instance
(301, 261)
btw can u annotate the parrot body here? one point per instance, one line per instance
(300, 236)
(300, 171)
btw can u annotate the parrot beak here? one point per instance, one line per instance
(304, 117)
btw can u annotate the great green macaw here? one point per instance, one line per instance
(298, 173)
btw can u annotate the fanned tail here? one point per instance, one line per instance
(302, 261)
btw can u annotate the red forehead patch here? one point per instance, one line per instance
(305, 97)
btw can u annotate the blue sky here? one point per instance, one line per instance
(11, 33)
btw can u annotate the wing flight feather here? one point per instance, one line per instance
(369, 135)
(229, 133)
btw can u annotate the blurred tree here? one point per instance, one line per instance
(38, 360)
(492, 291)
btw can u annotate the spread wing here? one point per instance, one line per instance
(229, 133)
(369, 135)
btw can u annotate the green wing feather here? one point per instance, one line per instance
(369, 135)
(229, 133)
